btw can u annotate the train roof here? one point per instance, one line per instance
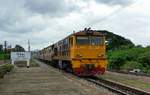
(86, 31)
(94, 33)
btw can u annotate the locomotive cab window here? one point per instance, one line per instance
(96, 40)
(89, 40)
(82, 40)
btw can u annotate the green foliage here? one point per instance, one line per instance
(8, 67)
(18, 48)
(4, 56)
(145, 59)
(116, 59)
(130, 65)
(5, 68)
(130, 58)
(146, 70)
(124, 55)
(1, 48)
(116, 42)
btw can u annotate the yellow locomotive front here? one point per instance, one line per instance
(88, 53)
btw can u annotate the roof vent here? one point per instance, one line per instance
(88, 30)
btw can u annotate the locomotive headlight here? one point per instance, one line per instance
(101, 55)
(79, 55)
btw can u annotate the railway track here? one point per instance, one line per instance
(116, 87)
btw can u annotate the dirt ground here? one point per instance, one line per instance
(43, 80)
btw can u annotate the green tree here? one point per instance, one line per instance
(18, 48)
(116, 59)
(144, 58)
(117, 41)
(1, 48)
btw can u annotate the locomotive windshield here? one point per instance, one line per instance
(89, 40)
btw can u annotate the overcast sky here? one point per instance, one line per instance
(47, 21)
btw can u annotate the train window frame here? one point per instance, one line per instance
(97, 42)
(77, 42)
(101, 42)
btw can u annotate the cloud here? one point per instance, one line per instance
(47, 21)
(12, 15)
(132, 23)
(50, 7)
(116, 2)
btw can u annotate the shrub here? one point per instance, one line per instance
(144, 58)
(5, 68)
(130, 58)
(4, 56)
(8, 67)
(130, 65)
(116, 59)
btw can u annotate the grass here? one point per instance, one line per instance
(133, 82)
(34, 63)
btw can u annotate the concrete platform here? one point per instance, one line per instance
(43, 80)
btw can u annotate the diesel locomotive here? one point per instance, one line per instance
(82, 53)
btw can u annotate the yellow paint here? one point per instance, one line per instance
(88, 54)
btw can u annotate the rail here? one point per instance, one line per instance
(118, 88)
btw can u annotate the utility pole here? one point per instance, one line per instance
(29, 45)
(5, 46)
(28, 62)
(5, 49)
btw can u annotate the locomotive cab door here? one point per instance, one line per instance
(71, 41)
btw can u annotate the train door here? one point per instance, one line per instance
(71, 41)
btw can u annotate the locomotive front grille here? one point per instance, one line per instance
(89, 66)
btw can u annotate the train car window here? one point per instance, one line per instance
(55, 51)
(82, 40)
(49, 50)
(65, 41)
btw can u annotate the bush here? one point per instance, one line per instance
(4, 56)
(130, 58)
(8, 67)
(147, 70)
(144, 58)
(5, 68)
(116, 59)
(130, 65)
